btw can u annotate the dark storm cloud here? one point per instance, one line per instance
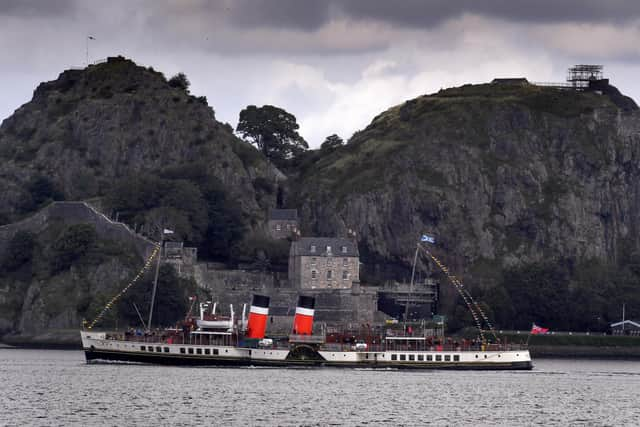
(311, 15)
(291, 14)
(36, 8)
(430, 12)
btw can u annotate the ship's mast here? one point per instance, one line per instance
(413, 273)
(155, 279)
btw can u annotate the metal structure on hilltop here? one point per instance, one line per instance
(580, 75)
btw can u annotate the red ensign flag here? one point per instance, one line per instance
(535, 330)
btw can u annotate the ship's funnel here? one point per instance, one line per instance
(258, 315)
(303, 322)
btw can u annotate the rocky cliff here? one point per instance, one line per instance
(131, 141)
(90, 128)
(501, 175)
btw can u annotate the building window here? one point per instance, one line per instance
(314, 274)
(312, 248)
(429, 358)
(215, 351)
(456, 357)
(159, 349)
(438, 358)
(166, 349)
(207, 351)
(182, 350)
(314, 260)
(411, 357)
(143, 347)
(199, 350)
(278, 227)
(150, 348)
(329, 274)
(403, 357)
(345, 262)
(421, 358)
(344, 249)
(328, 249)
(190, 350)
(447, 358)
(329, 261)
(345, 275)
(394, 357)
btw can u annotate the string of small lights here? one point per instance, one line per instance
(469, 301)
(137, 277)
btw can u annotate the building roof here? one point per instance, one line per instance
(283, 214)
(305, 245)
(626, 322)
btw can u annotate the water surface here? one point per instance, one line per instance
(49, 387)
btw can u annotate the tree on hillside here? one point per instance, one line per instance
(331, 142)
(273, 130)
(180, 81)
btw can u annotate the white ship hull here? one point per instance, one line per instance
(98, 347)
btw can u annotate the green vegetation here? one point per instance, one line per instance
(587, 296)
(172, 299)
(595, 340)
(273, 130)
(187, 199)
(332, 142)
(73, 243)
(40, 191)
(180, 81)
(19, 251)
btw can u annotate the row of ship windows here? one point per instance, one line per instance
(421, 357)
(182, 350)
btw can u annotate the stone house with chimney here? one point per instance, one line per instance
(283, 223)
(323, 263)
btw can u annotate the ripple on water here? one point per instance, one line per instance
(59, 388)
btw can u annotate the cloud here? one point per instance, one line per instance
(36, 8)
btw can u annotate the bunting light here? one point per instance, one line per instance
(115, 299)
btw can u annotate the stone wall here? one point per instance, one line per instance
(74, 213)
(333, 306)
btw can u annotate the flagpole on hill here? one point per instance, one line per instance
(87, 52)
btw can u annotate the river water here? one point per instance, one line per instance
(49, 387)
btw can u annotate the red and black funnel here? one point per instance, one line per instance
(258, 315)
(303, 322)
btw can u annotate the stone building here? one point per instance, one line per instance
(283, 223)
(182, 258)
(323, 263)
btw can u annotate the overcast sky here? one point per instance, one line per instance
(334, 64)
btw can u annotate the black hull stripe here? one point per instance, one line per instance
(180, 359)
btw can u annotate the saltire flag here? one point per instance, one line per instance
(426, 238)
(536, 330)
(167, 231)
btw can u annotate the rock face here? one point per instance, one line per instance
(501, 175)
(91, 127)
(79, 136)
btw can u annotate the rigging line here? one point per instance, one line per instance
(460, 290)
(113, 300)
